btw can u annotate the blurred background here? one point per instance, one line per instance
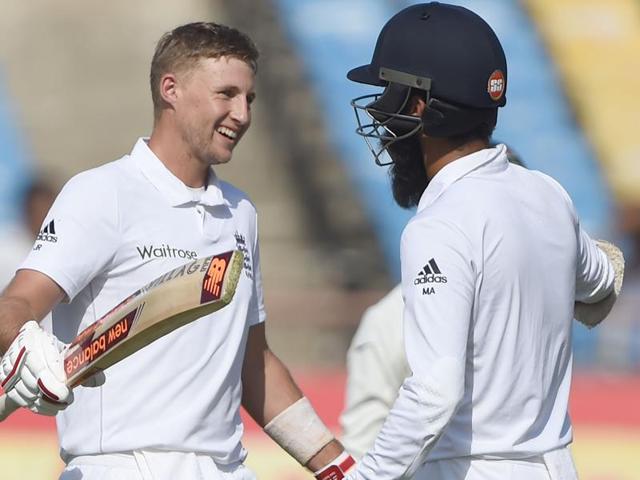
(74, 94)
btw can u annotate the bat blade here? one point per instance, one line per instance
(174, 299)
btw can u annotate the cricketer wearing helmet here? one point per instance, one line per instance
(494, 264)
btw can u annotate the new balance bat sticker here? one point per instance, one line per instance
(172, 300)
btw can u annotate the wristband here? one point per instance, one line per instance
(337, 468)
(299, 431)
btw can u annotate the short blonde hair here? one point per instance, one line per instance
(180, 50)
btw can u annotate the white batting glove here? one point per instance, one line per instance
(32, 373)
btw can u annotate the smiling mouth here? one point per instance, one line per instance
(227, 132)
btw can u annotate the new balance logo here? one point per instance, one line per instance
(430, 273)
(48, 233)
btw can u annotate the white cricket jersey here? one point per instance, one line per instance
(492, 263)
(112, 230)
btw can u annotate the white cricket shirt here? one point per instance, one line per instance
(492, 263)
(112, 230)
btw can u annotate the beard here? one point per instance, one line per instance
(408, 175)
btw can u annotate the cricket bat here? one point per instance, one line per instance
(172, 300)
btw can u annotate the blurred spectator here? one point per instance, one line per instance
(630, 227)
(620, 342)
(17, 239)
(376, 367)
(37, 201)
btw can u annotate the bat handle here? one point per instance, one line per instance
(7, 407)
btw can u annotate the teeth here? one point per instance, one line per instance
(227, 132)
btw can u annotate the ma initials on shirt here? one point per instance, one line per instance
(428, 290)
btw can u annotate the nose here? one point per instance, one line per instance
(241, 111)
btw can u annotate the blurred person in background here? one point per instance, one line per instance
(627, 310)
(18, 239)
(629, 221)
(377, 366)
(494, 264)
(171, 410)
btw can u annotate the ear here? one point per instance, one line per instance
(168, 88)
(416, 105)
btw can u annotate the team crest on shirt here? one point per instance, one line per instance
(429, 277)
(241, 244)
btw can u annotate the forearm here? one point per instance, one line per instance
(29, 296)
(373, 382)
(591, 309)
(268, 391)
(594, 272)
(415, 423)
(14, 313)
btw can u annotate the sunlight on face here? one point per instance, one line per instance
(213, 110)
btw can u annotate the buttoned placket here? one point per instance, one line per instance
(200, 211)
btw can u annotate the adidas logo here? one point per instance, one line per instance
(430, 273)
(48, 233)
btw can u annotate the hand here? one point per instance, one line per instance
(591, 314)
(32, 373)
(337, 469)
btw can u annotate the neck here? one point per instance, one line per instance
(438, 152)
(171, 149)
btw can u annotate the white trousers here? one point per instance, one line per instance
(152, 465)
(554, 465)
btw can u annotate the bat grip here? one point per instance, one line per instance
(7, 407)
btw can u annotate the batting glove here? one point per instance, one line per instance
(32, 373)
(591, 314)
(337, 469)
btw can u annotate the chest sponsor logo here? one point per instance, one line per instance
(165, 251)
(241, 244)
(48, 233)
(429, 276)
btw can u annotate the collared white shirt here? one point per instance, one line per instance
(112, 230)
(492, 264)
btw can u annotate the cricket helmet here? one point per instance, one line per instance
(446, 52)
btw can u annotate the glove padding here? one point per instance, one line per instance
(591, 314)
(32, 372)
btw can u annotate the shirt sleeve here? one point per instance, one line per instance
(438, 284)
(595, 274)
(80, 234)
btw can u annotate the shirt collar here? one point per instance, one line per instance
(171, 186)
(454, 171)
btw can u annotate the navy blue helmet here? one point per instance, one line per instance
(445, 52)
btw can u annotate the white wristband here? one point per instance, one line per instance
(299, 431)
